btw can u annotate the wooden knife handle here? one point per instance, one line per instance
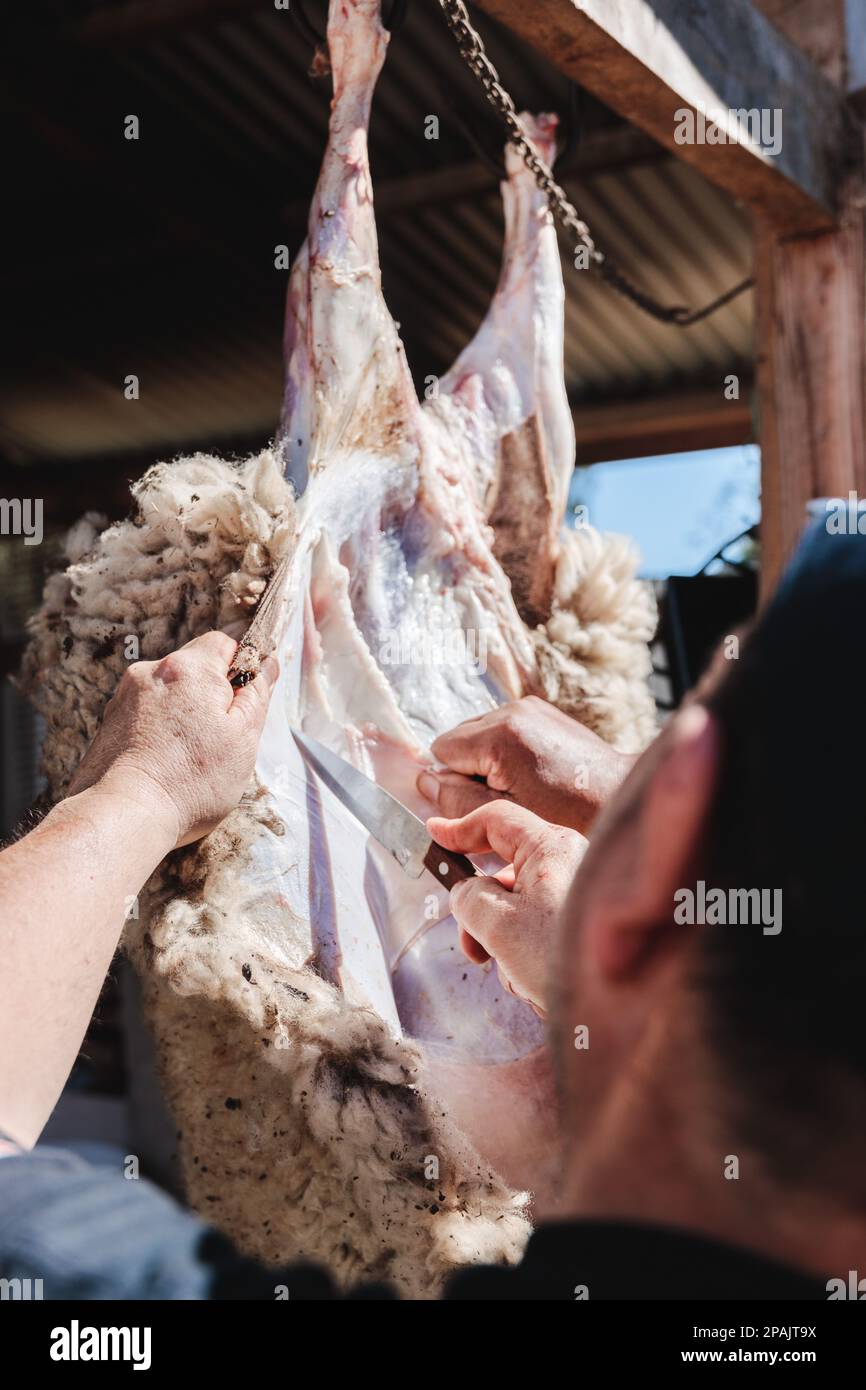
(260, 637)
(447, 866)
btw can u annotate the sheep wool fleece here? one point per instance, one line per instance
(304, 1131)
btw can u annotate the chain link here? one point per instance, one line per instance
(472, 50)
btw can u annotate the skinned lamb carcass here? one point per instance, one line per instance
(404, 614)
(346, 1086)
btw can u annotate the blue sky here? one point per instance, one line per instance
(679, 508)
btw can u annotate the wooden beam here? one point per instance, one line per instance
(649, 59)
(602, 152)
(693, 417)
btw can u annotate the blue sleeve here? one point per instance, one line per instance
(87, 1232)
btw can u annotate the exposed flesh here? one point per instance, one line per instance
(415, 522)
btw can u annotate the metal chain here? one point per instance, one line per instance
(472, 50)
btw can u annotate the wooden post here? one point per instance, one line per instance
(811, 374)
(811, 330)
(650, 59)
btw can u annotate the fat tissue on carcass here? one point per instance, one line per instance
(347, 1087)
(403, 613)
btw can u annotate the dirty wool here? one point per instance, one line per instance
(345, 1088)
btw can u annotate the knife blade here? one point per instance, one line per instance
(397, 829)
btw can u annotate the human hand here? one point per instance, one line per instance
(513, 915)
(178, 738)
(532, 753)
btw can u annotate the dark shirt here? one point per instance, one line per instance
(624, 1260)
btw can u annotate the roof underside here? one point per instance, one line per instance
(156, 257)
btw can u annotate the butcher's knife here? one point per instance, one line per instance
(401, 833)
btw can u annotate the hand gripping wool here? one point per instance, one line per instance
(305, 1131)
(346, 1087)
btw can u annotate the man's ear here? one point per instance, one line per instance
(663, 840)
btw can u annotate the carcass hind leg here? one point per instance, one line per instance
(506, 396)
(347, 378)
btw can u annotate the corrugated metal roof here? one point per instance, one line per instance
(156, 257)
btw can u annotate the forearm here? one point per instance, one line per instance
(65, 891)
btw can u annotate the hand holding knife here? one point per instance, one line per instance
(401, 833)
